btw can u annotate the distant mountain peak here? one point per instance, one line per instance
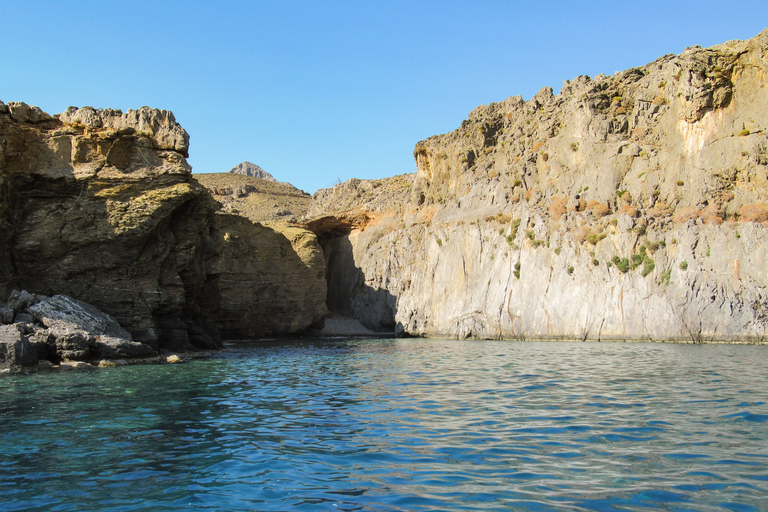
(253, 170)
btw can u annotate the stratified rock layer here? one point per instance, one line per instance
(631, 206)
(100, 205)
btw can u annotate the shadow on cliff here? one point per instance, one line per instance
(349, 295)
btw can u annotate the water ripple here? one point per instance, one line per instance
(380, 425)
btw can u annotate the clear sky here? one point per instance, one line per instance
(320, 91)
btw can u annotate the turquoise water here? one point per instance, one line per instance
(403, 424)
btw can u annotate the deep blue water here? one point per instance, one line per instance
(404, 424)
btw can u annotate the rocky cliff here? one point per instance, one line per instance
(100, 205)
(631, 206)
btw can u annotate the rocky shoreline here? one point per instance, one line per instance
(626, 207)
(61, 330)
(101, 206)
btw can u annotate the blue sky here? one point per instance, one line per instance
(317, 92)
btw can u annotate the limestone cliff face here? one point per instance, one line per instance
(100, 205)
(626, 207)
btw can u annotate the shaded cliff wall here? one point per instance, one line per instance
(630, 206)
(101, 206)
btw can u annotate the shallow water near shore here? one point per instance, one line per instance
(396, 424)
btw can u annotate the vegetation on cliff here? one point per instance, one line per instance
(630, 206)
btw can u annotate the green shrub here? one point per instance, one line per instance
(744, 133)
(594, 238)
(570, 270)
(557, 251)
(621, 263)
(440, 242)
(665, 276)
(648, 266)
(515, 227)
(595, 262)
(683, 265)
(517, 270)
(680, 183)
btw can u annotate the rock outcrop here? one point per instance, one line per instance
(252, 170)
(61, 328)
(631, 206)
(101, 206)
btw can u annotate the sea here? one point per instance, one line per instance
(395, 424)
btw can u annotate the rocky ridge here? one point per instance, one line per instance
(252, 170)
(631, 206)
(100, 205)
(257, 199)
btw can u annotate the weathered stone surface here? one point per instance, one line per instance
(101, 206)
(495, 237)
(15, 349)
(62, 328)
(73, 344)
(62, 313)
(111, 347)
(6, 315)
(159, 126)
(24, 318)
(23, 113)
(20, 301)
(263, 281)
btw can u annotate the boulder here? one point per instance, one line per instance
(24, 318)
(20, 301)
(111, 347)
(81, 332)
(61, 313)
(6, 315)
(73, 345)
(15, 349)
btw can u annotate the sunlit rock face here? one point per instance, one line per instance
(631, 206)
